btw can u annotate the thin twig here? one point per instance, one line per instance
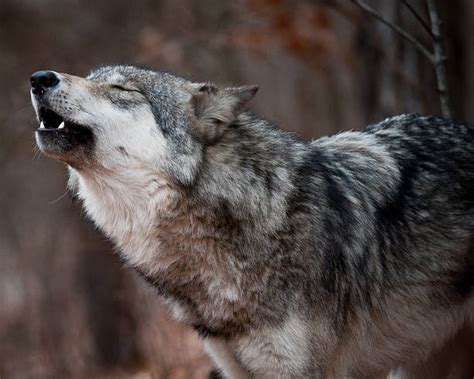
(439, 59)
(418, 45)
(420, 19)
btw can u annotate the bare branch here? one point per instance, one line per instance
(439, 61)
(418, 45)
(420, 19)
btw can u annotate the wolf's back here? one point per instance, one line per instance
(394, 205)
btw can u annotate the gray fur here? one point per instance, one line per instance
(348, 256)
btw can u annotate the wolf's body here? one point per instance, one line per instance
(348, 256)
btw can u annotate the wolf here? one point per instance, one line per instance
(350, 256)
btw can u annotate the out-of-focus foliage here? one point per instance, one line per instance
(67, 307)
(305, 30)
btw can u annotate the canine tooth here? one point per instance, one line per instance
(61, 125)
(42, 125)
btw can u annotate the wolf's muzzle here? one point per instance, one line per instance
(42, 81)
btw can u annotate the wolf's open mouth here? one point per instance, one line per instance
(63, 139)
(51, 121)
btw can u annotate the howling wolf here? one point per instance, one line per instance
(347, 256)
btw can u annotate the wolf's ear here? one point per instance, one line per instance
(215, 108)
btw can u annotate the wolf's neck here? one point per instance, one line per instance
(199, 242)
(187, 248)
(243, 187)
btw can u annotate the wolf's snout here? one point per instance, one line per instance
(42, 80)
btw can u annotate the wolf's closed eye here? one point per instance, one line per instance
(122, 88)
(118, 86)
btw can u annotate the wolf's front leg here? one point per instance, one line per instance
(224, 359)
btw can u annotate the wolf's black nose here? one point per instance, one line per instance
(42, 80)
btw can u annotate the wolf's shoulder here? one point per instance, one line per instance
(399, 148)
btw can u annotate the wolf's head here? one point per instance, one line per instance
(129, 117)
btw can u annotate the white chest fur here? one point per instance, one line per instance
(127, 213)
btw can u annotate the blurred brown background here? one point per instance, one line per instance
(67, 307)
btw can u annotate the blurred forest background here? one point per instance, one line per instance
(68, 309)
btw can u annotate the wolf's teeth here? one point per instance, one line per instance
(41, 125)
(61, 126)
